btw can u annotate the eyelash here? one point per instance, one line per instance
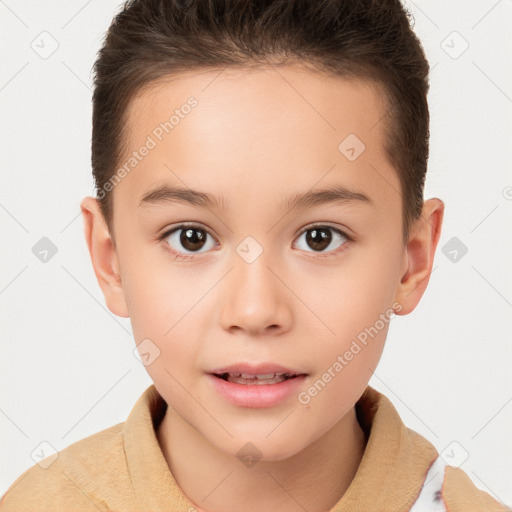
(307, 228)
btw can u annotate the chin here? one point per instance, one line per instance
(260, 449)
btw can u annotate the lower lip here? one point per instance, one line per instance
(257, 395)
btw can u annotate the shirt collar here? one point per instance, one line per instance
(389, 476)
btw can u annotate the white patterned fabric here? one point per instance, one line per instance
(430, 498)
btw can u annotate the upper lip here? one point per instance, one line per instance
(256, 369)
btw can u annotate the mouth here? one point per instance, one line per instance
(250, 379)
(260, 374)
(247, 384)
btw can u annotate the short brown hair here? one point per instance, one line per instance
(368, 39)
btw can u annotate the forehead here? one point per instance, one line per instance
(270, 130)
(267, 93)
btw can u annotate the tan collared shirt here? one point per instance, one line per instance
(123, 469)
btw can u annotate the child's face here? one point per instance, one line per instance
(259, 288)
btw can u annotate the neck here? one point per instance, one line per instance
(314, 479)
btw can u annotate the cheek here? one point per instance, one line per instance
(343, 374)
(356, 303)
(165, 308)
(157, 293)
(352, 296)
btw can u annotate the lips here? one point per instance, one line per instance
(255, 380)
(265, 373)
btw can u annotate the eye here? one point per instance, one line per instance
(192, 238)
(320, 238)
(186, 240)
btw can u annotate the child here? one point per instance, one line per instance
(288, 141)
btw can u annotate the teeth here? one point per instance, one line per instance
(266, 375)
(261, 376)
(264, 378)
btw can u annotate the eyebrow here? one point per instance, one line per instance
(170, 194)
(336, 194)
(173, 194)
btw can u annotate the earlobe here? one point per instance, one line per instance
(419, 257)
(103, 256)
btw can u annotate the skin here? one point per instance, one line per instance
(257, 137)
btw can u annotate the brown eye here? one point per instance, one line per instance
(184, 240)
(192, 239)
(321, 239)
(318, 238)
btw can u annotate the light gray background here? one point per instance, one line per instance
(67, 367)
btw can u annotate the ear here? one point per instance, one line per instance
(103, 256)
(419, 255)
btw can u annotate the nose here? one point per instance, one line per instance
(254, 299)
